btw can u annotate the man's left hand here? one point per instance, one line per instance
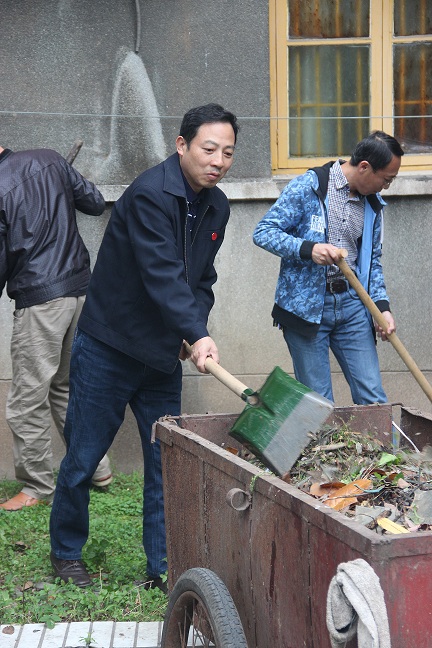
(391, 326)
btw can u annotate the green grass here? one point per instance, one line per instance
(29, 593)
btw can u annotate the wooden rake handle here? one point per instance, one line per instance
(227, 379)
(379, 317)
(76, 147)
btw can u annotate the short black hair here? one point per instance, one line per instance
(208, 114)
(378, 149)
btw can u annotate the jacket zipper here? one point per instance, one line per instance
(199, 225)
(192, 240)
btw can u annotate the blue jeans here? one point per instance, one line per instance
(103, 381)
(346, 329)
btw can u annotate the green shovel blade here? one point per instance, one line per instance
(280, 427)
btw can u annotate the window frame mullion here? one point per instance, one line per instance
(381, 41)
(386, 67)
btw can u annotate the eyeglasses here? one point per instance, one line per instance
(387, 181)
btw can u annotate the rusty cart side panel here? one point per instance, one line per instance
(278, 555)
(226, 532)
(279, 574)
(183, 494)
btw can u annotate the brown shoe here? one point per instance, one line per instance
(19, 501)
(101, 482)
(71, 569)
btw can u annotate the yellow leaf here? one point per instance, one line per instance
(391, 527)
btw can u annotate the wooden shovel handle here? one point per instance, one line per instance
(379, 317)
(224, 376)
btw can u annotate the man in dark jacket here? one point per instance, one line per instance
(151, 289)
(46, 267)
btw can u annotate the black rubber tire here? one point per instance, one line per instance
(201, 601)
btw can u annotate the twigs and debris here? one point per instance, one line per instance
(387, 490)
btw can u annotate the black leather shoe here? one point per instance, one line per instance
(154, 583)
(71, 569)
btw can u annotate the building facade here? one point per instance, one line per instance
(306, 80)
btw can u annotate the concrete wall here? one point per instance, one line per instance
(122, 81)
(69, 69)
(241, 324)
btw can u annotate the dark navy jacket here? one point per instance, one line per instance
(152, 283)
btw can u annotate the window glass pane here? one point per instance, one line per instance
(412, 17)
(413, 96)
(328, 18)
(328, 99)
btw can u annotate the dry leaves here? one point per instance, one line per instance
(9, 630)
(359, 476)
(340, 496)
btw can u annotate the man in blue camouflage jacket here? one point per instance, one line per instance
(327, 208)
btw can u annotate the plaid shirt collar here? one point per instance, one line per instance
(338, 178)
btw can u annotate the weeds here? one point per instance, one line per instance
(88, 640)
(29, 593)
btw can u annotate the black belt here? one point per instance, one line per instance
(337, 286)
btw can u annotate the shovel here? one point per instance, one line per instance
(381, 320)
(278, 420)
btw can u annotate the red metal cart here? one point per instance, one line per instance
(276, 548)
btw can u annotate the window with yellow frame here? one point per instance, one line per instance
(341, 68)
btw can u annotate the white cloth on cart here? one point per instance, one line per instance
(355, 605)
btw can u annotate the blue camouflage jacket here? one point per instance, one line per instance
(297, 221)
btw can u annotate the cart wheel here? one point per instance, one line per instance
(201, 612)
